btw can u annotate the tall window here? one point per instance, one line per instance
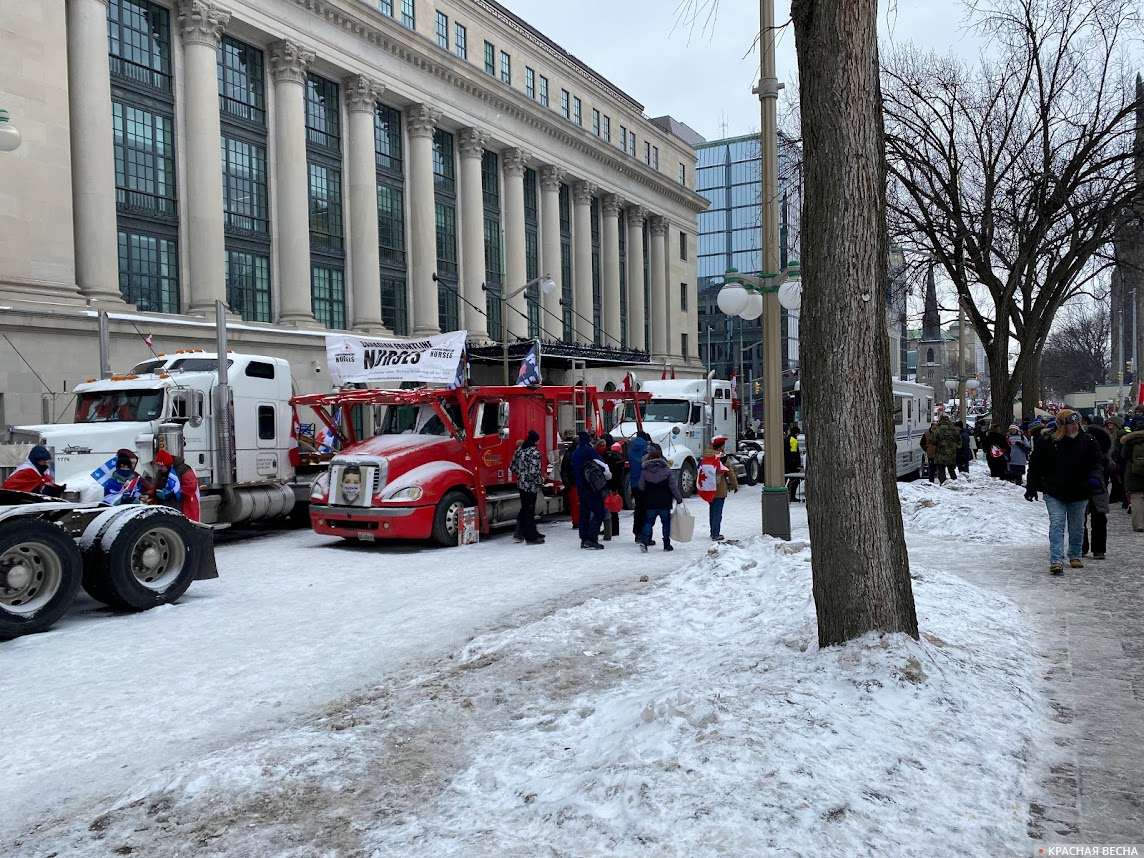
(683, 245)
(442, 30)
(324, 162)
(624, 139)
(385, 7)
(595, 122)
(655, 157)
(543, 91)
(566, 262)
(684, 346)
(245, 183)
(505, 68)
(445, 201)
(490, 59)
(682, 174)
(391, 219)
(647, 153)
(632, 143)
(532, 251)
(564, 111)
(461, 42)
(494, 276)
(683, 297)
(143, 110)
(576, 117)
(607, 129)
(597, 291)
(408, 17)
(529, 82)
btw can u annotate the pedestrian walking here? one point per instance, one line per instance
(637, 450)
(1132, 452)
(591, 474)
(716, 481)
(980, 430)
(965, 451)
(613, 454)
(928, 444)
(997, 452)
(1116, 483)
(1019, 449)
(792, 460)
(1097, 510)
(529, 481)
(947, 442)
(568, 478)
(1067, 468)
(34, 475)
(659, 488)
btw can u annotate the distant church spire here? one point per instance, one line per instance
(931, 320)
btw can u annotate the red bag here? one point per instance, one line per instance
(613, 502)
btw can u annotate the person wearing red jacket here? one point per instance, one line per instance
(176, 485)
(34, 476)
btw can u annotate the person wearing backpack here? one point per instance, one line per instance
(659, 488)
(715, 482)
(592, 476)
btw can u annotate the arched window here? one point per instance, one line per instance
(929, 355)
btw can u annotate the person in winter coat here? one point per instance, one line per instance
(792, 460)
(659, 488)
(929, 446)
(123, 485)
(997, 452)
(1097, 510)
(965, 451)
(34, 475)
(568, 478)
(980, 430)
(612, 453)
(946, 441)
(1019, 449)
(175, 485)
(637, 449)
(1067, 468)
(1116, 484)
(587, 468)
(1132, 452)
(716, 481)
(529, 481)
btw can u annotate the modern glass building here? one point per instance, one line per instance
(728, 175)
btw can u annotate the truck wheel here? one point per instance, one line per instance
(626, 491)
(40, 573)
(688, 478)
(151, 561)
(752, 469)
(447, 519)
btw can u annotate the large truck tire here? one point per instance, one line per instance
(148, 559)
(751, 469)
(626, 491)
(95, 582)
(688, 478)
(447, 519)
(40, 573)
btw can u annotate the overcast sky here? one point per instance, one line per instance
(703, 75)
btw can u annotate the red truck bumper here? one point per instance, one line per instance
(368, 524)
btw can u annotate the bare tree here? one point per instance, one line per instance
(1012, 174)
(1077, 354)
(860, 566)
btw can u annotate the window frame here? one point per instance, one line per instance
(565, 104)
(461, 40)
(409, 14)
(577, 111)
(607, 128)
(596, 122)
(442, 30)
(505, 68)
(529, 82)
(543, 91)
(490, 58)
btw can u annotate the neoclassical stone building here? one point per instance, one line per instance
(387, 167)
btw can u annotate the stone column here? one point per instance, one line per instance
(660, 308)
(421, 120)
(365, 258)
(92, 152)
(473, 142)
(550, 315)
(582, 193)
(201, 24)
(516, 260)
(289, 62)
(634, 216)
(610, 269)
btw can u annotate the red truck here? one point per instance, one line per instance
(439, 451)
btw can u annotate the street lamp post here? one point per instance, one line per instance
(547, 286)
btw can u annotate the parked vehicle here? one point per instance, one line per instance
(438, 452)
(913, 413)
(129, 557)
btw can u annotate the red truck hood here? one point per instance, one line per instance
(422, 447)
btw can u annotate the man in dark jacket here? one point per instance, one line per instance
(585, 462)
(529, 481)
(1132, 452)
(568, 478)
(1097, 511)
(659, 488)
(637, 449)
(965, 452)
(1068, 469)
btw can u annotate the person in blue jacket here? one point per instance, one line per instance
(637, 450)
(590, 490)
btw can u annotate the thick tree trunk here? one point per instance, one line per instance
(1031, 386)
(859, 561)
(1002, 388)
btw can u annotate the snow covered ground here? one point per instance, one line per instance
(328, 699)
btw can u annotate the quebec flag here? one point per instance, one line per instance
(104, 471)
(326, 441)
(529, 374)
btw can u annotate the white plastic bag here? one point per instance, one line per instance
(682, 524)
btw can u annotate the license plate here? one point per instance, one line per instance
(365, 536)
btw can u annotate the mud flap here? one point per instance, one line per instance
(203, 549)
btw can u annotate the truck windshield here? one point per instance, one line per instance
(119, 406)
(418, 420)
(661, 411)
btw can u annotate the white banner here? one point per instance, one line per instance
(365, 359)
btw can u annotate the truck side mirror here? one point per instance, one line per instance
(675, 430)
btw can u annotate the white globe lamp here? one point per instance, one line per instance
(732, 299)
(548, 286)
(790, 294)
(951, 384)
(9, 136)
(754, 307)
(972, 384)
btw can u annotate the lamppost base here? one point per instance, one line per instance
(776, 512)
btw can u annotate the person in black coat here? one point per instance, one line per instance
(997, 452)
(1067, 467)
(965, 453)
(1097, 510)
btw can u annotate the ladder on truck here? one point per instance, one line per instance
(580, 401)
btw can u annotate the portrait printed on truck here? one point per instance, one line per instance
(351, 484)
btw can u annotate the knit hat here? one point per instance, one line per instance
(532, 437)
(584, 438)
(39, 454)
(164, 459)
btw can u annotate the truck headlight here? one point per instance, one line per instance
(410, 493)
(320, 490)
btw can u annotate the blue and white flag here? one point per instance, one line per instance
(103, 471)
(529, 374)
(326, 441)
(459, 377)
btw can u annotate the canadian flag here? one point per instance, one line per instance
(663, 375)
(599, 426)
(294, 454)
(734, 390)
(149, 340)
(628, 384)
(1140, 395)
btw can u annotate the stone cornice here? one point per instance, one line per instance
(388, 36)
(201, 22)
(472, 142)
(514, 161)
(421, 120)
(582, 193)
(362, 93)
(289, 61)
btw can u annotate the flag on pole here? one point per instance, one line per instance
(149, 339)
(462, 365)
(529, 374)
(663, 375)
(673, 372)
(734, 390)
(326, 441)
(627, 384)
